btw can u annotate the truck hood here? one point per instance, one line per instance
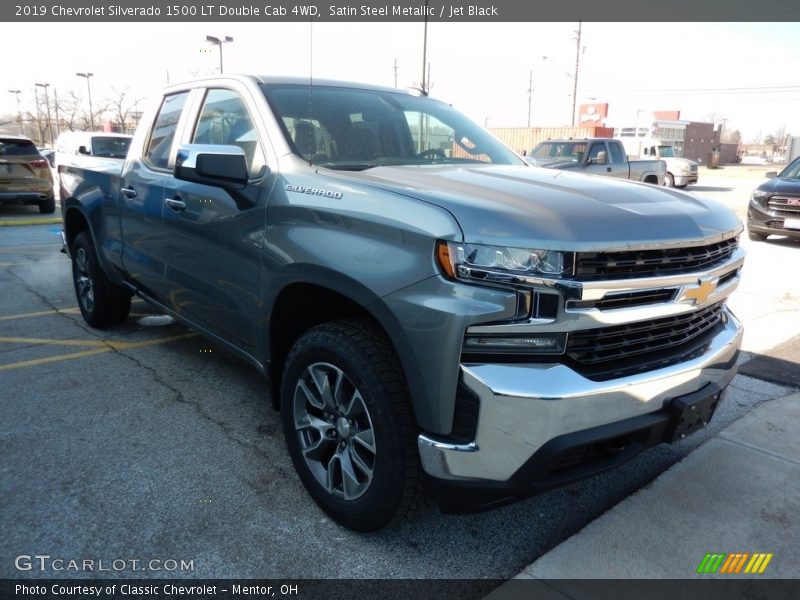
(781, 185)
(524, 206)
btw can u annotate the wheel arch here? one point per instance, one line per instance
(301, 305)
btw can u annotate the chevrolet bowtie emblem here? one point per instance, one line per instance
(705, 287)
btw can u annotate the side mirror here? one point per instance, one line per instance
(600, 159)
(83, 150)
(771, 174)
(211, 164)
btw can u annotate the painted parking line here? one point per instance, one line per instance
(62, 311)
(100, 347)
(41, 313)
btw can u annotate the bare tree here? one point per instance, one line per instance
(122, 107)
(69, 109)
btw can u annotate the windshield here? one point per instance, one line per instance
(110, 147)
(355, 129)
(792, 171)
(666, 151)
(559, 151)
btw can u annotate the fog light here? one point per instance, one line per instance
(544, 343)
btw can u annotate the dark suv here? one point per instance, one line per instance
(775, 205)
(25, 176)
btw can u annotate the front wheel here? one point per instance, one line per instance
(348, 424)
(102, 303)
(756, 237)
(669, 180)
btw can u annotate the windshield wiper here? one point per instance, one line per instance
(349, 166)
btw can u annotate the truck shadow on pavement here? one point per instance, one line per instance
(708, 188)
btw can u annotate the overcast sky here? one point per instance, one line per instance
(701, 69)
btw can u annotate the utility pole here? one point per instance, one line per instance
(577, 67)
(530, 96)
(395, 72)
(425, 50)
(19, 110)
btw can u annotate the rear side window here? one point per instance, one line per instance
(617, 155)
(110, 147)
(12, 147)
(163, 133)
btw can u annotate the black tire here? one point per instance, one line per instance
(757, 237)
(384, 480)
(669, 180)
(681, 187)
(102, 303)
(47, 207)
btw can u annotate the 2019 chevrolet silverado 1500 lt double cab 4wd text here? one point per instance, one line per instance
(425, 304)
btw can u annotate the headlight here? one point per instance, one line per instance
(760, 198)
(499, 264)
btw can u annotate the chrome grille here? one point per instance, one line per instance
(614, 351)
(647, 263)
(785, 205)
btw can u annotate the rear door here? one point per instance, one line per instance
(213, 239)
(141, 198)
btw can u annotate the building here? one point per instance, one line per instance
(524, 139)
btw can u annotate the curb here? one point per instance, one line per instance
(42, 221)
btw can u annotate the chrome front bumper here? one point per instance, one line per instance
(523, 406)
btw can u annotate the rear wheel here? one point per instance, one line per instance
(348, 424)
(47, 207)
(102, 303)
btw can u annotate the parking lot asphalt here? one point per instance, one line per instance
(148, 442)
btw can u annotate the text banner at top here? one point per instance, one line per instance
(396, 10)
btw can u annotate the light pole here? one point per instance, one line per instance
(219, 41)
(89, 90)
(19, 110)
(40, 139)
(47, 103)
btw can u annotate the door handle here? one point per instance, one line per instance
(175, 204)
(608, 169)
(129, 192)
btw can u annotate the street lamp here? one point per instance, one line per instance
(217, 41)
(19, 110)
(47, 103)
(89, 90)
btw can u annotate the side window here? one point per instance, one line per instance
(617, 154)
(157, 153)
(224, 120)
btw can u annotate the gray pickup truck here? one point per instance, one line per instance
(597, 156)
(426, 305)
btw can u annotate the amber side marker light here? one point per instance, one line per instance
(443, 258)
